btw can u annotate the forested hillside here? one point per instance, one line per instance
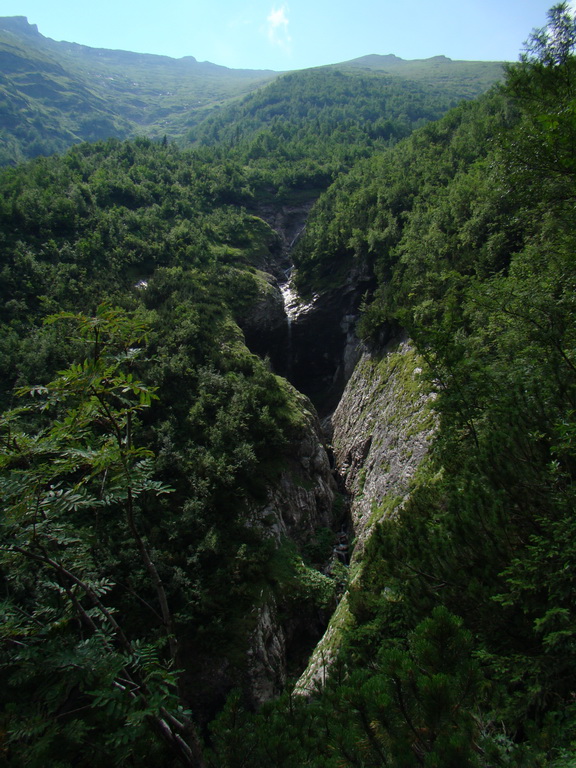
(306, 128)
(167, 557)
(459, 649)
(56, 94)
(125, 541)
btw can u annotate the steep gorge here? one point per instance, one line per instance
(377, 422)
(281, 630)
(312, 341)
(380, 433)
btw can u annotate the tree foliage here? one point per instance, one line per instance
(128, 556)
(72, 493)
(468, 228)
(138, 248)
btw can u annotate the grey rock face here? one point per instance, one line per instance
(381, 428)
(298, 504)
(381, 432)
(288, 221)
(311, 341)
(301, 500)
(266, 667)
(19, 25)
(325, 346)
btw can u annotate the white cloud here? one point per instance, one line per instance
(277, 28)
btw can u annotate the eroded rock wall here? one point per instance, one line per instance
(324, 343)
(381, 432)
(381, 424)
(299, 503)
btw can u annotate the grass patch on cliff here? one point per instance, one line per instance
(384, 509)
(402, 372)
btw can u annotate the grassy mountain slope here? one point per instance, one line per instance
(464, 79)
(56, 94)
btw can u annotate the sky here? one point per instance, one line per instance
(295, 34)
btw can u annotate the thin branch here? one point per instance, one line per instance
(59, 568)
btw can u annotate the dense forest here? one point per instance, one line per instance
(140, 437)
(308, 127)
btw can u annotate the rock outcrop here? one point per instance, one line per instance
(298, 504)
(324, 344)
(266, 656)
(382, 429)
(381, 432)
(288, 221)
(301, 499)
(19, 25)
(312, 342)
(279, 632)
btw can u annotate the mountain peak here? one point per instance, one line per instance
(377, 61)
(375, 58)
(19, 25)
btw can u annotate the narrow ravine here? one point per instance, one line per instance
(376, 418)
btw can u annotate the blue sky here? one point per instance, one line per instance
(271, 34)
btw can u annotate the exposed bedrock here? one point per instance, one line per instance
(298, 504)
(379, 418)
(324, 346)
(312, 343)
(277, 636)
(382, 429)
(289, 222)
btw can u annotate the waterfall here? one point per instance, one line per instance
(296, 310)
(290, 301)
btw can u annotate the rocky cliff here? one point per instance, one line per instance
(298, 505)
(324, 344)
(276, 637)
(381, 431)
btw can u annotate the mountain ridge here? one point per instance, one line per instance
(20, 25)
(56, 94)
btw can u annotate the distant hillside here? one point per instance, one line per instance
(465, 78)
(54, 94)
(302, 130)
